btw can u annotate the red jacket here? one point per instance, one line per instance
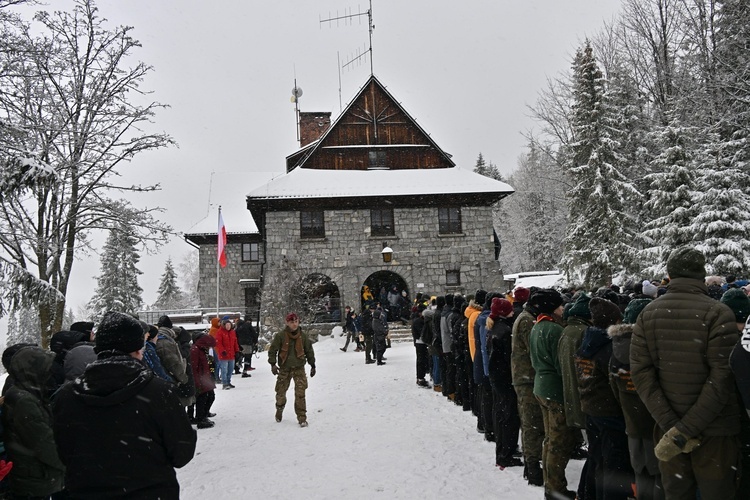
(226, 344)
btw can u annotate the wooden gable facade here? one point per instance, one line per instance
(373, 132)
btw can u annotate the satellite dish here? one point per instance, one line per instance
(297, 92)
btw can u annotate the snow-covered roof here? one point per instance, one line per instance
(543, 281)
(315, 183)
(228, 189)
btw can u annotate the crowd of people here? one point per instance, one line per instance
(645, 383)
(102, 399)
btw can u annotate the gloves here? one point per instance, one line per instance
(5, 467)
(673, 443)
(223, 353)
(274, 369)
(312, 371)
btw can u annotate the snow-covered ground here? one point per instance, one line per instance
(373, 434)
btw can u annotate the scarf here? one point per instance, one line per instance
(299, 350)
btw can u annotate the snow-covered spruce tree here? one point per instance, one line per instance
(189, 277)
(23, 326)
(487, 169)
(170, 296)
(670, 198)
(117, 286)
(531, 223)
(600, 236)
(90, 119)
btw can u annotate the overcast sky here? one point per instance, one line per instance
(464, 70)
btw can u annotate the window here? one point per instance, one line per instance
(311, 224)
(449, 220)
(377, 159)
(381, 222)
(250, 252)
(452, 278)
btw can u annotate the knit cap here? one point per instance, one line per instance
(546, 300)
(738, 302)
(119, 332)
(521, 294)
(649, 289)
(500, 308)
(604, 313)
(686, 262)
(580, 306)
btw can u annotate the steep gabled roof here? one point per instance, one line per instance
(373, 120)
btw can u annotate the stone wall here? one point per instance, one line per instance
(348, 254)
(231, 293)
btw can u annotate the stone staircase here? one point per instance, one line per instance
(400, 332)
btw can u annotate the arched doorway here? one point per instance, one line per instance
(379, 284)
(316, 299)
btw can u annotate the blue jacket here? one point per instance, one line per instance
(152, 360)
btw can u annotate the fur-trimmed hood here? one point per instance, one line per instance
(621, 335)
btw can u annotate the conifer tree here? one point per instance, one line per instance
(170, 295)
(117, 285)
(600, 235)
(487, 169)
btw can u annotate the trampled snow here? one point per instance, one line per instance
(373, 434)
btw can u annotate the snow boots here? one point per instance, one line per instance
(278, 415)
(532, 471)
(422, 383)
(204, 424)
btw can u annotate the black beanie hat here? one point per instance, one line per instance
(604, 313)
(65, 340)
(738, 302)
(166, 322)
(449, 299)
(119, 332)
(480, 296)
(440, 301)
(82, 326)
(546, 300)
(686, 262)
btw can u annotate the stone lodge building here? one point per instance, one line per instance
(369, 181)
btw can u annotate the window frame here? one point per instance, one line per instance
(377, 160)
(449, 220)
(248, 256)
(312, 224)
(381, 229)
(453, 272)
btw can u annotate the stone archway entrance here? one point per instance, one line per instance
(317, 299)
(385, 281)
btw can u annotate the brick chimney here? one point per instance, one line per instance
(312, 126)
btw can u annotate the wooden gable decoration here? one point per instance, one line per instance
(373, 132)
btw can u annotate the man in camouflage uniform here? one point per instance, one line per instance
(532, 425)
(293, 348)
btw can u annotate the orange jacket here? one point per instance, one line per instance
(472, 313)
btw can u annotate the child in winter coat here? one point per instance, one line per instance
(226, 348)
(202, 363)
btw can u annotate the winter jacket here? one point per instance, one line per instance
(366, 322)
(215, 327)
(639, 423)
(27, 421)
(186, 391)
(543, 341)
(592, 365)
(152, 360)
(121, 431)
(570, 342)
(170, 356)
(61, 343)
(472, 312)
(226, 344)
(428, 333)
(246, 334)
(445, 329)
(417, 325)
(679, 361)
(520, 359)
(292, 361)
(201, 361)
(379, 325)
(481, 368)
(500, 345)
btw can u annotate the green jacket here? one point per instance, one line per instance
(569, 343)
(543, 342)
(520, 362)
(27, 419)
(679, 361)
(292, 361)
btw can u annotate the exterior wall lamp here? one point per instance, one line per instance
(387, 252)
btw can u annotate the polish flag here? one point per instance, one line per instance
(222, 253)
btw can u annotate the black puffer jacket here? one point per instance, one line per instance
(27, 421)
(499, 347)
(679, 361)
(113, 421)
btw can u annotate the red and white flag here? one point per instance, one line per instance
(222, 253)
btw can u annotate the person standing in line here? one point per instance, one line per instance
(379, 332)
(202, 364)
(118, 418)
(349, 328)
(679, 361)
(247, 338)
(291, 348)
(367, 332)
(423, 364)
(226, 347)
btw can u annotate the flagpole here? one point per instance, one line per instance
(218, 237)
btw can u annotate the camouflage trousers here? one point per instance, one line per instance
(300, 384)
(532, 424)
(559, 442)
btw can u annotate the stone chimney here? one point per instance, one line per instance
(312, 126)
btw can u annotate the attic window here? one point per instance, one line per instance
(377, 160)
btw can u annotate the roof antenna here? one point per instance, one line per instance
(296, 94)
(347, 19)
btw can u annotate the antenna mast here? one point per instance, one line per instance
(347, 19)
